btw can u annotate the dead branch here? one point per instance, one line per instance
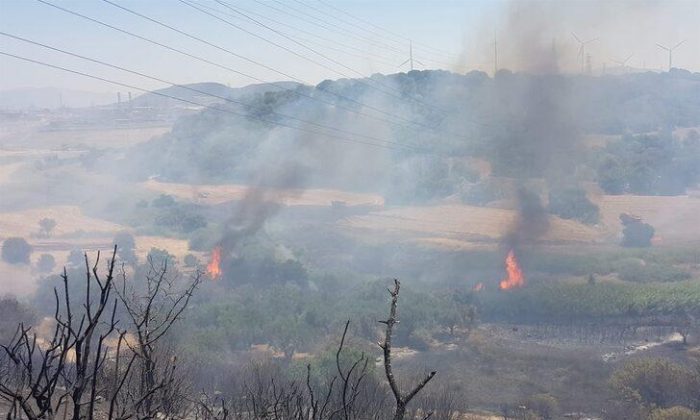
(402, 400)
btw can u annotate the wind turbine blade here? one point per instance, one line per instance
(404, 63)
(574, 35)
(678, 45)
(591, 40)
(418, 62)
(661, 46)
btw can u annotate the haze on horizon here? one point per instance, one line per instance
(371, 38)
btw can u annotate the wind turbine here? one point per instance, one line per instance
(670, 52)
(623, 63)
(410, 59)
(582, 50)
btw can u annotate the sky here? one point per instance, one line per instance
(313, 40)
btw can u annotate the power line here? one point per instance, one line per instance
(361, 81)
(227, 99)
(342, 97)
(165, 95)
(355, 26)
(366, 22)
(375, 56)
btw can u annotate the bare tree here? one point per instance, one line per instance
(88, 359)
(42, 374)
(402, 399)
(153, 309)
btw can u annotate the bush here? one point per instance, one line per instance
(544, 405)
(190, 260)
(163, 200)
(16, 251)
(572, 203)
(126, 245)
(46, 263)
(674, 413)
(76, 258)
(635, 270)
(656, 383)
(46, 225)
(635, 233)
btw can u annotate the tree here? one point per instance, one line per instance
(76, 258)
(126, 244)
(46, 263)
(190, 260)
(163, 200)
(402, 399)
(572, 203)
(656, 383)
(46, 225)
(16, 251)
(674, 413)
(635, 233)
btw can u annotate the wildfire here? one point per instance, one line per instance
(515, 276)
(478, 287)
(214, 266)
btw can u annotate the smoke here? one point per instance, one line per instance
(541, 132)
(275, 183)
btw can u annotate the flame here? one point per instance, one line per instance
(478, 287)
(515, 276)
(214, 266)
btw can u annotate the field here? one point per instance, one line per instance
(218, 194)
(31, 135)
(467, 227)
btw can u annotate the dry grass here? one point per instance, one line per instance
(217, 194)
(7, 171)
(461, 225)
(70, 220)
(676, 219)
(22, 135)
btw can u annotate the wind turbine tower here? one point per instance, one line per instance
(670, 52)
(410, 57)
(582, 50)
(495, 54)
(623, 63)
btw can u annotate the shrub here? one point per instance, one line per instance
(126, 245)
(190, 260)
(655, 383)
(46, 263)
(16, 251)
(572, 203)
(544, 405)
(635, 233)
(46, 225)
(674, 413)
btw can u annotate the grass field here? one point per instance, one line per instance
(676, 219)
(31, 135)
(217, 194)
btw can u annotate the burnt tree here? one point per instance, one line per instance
(402, 399)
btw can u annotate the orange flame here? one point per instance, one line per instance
(515, 276)
(214, 266)
(478, 287)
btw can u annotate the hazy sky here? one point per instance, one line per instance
(459, 36)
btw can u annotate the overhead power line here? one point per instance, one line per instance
(189, 88)
(369, 55)
(403, 120)
(228, 111)
(375, 85)
(406, 39)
